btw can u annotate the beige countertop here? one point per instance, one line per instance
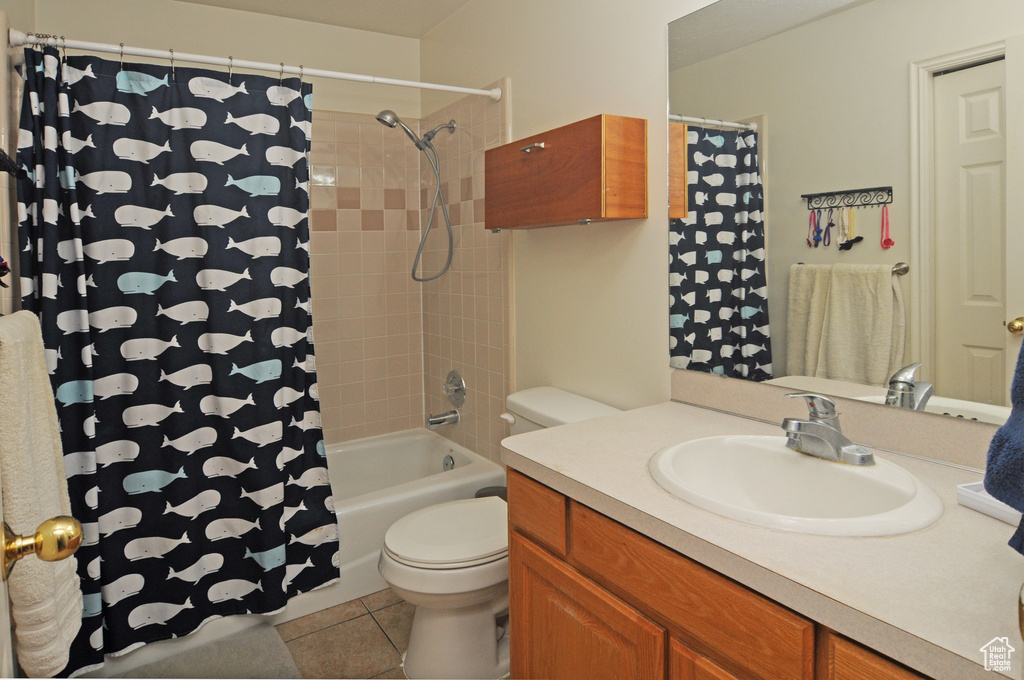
(930, 599)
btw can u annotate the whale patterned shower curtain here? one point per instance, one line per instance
(718, 298)
(165, 247)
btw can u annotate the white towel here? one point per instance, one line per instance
(865, 325)
(808, 294)
(46, 598)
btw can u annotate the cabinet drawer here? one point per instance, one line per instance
(537, 511)
(736, 628)
(841, 659)
(686, 664)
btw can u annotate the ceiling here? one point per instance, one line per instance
(730, 24)
(718, 28)
(406, 18)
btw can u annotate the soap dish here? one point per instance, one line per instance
(975, 497)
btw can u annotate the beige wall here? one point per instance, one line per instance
(836, 95)
(591, 307)
(188, 27)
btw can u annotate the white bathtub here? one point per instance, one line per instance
(378, 480)
(375, 481)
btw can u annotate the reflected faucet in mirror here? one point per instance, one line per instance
(905, 392)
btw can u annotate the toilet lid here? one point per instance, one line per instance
(449, 534)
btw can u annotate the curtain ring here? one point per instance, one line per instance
(172, 66)
(64, 48)
(302, 72)
(231, 66)
(122, 56)
(281, 75)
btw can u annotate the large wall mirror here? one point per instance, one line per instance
(925, 97)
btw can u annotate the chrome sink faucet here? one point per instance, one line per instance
(820, 435)
(905, 392)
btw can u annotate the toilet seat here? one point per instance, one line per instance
(453, 535)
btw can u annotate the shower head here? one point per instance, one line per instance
(390, 119)
(450, 126)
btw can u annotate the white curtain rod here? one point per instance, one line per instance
(18, 38)
(711, 121)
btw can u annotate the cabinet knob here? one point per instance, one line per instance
(532, 147)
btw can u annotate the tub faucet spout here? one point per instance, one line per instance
(450, 418)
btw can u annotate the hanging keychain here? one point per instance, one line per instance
(817, 229)
(886, 241)
(812, 225)
(827, 239)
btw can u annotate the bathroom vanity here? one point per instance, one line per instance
(611, 576)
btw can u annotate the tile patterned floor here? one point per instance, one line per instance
(364, 638)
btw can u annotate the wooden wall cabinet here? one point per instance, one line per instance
(591, 170)
(678, 167)
(591, 598)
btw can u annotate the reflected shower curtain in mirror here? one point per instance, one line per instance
(718, 306)
(164, 246)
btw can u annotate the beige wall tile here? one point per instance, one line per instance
(384, 342)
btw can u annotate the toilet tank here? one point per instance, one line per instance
(540, 407)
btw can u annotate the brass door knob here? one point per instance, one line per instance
(55, 539)
(1016, 326)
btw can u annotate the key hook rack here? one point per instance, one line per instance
(851, 198)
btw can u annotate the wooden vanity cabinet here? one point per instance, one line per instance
(591, 170)
(592, 598)
(569, 627)
(841, 659)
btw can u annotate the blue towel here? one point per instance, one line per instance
(1004, 473)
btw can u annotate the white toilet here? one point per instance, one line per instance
(451, 561)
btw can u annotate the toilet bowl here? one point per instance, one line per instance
(451, 562)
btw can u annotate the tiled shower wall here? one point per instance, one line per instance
(467, 316)
(384, 343)
(364, 218)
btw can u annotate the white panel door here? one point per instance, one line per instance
(972, 347)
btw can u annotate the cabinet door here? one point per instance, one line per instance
(686, 664)
(716, 616)
(840, 659)
(551, 178)
(564, 626)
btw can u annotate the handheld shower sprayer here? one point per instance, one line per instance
(389, 119)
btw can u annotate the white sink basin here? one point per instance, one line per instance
(760, 481)
(957, 408)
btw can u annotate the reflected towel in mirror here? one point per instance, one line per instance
(858, 331)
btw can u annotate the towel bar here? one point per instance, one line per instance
(899, 269)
